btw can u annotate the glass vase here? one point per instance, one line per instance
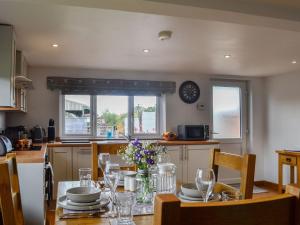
(144, 187)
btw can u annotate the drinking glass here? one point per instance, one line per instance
(85, 176)
(103, 159)
(205, 181)
(125, 203)
(112, 177)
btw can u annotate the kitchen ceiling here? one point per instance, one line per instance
(91, 37)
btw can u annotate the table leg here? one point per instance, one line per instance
(280, 175)
(292, 174)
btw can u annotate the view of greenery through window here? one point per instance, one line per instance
(112, 115)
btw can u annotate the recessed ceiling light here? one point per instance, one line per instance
(146, 50)
(227, 56)
(294, 62)
(54, 45)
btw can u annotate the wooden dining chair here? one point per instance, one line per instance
(244, 164)
(10, 197)
(280, 209)
(113, 150)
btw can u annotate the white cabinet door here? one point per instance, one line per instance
(196, 156)
(61, 159)
(176, 155)
(82, 158)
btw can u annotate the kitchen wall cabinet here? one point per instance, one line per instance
(7, 68)
(66, 161)
(188, 158)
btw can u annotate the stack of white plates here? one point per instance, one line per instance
(190, 193)
(82, 198)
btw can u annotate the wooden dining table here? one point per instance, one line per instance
(139, 220)
(64, 186)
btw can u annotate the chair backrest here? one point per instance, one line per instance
(10, 197)
(280, 209)
(106, 148)
(245, 164)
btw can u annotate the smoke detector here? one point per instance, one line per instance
(164, 35)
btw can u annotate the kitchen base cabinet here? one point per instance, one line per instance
(175, 154)
(196, 156)
(66, 161)
(31, 180)
(82, 158)
(188, 158)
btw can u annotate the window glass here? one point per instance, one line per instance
(226, 112)
(77, 115)
(112, 115)
(145, 115)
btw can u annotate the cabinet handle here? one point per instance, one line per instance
(181, 154)
(186, 155)
(288, 159)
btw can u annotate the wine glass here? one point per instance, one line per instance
(112, 177)
(205, 181)
(103, 160)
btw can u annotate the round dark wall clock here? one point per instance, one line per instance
(189, 92)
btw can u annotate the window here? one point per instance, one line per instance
(145, 115)
(226, 112)
(110, 116)
(77, 115)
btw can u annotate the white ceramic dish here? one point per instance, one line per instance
(124, 173)
(190, 190)
(83, 203)
(83, 194)
(63, 202)
(213, 198)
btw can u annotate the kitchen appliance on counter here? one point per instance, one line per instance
(5, 145)
(51, 131)
(37, 134)
(193, 132)
(15, 134)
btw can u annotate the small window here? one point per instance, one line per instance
(145, 115)
(77, 115)
(226, 112)
(112, 115)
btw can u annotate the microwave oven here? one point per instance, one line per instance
(193, 132)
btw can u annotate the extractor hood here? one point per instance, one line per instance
(23, 82)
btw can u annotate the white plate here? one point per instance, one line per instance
(63, 202)
(213, 198)
(69, 202)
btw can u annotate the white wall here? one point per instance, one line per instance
(44, 104)
(282, 120)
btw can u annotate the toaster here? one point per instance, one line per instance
(5, 145)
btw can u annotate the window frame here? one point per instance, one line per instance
(93, 119)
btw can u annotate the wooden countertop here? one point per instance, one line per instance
(60, 144)
(289, 152)
(163, 142)
(112, 142)
(30, 156)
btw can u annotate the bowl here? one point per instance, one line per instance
(190, 190)
(83, 194)
(124, 173)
